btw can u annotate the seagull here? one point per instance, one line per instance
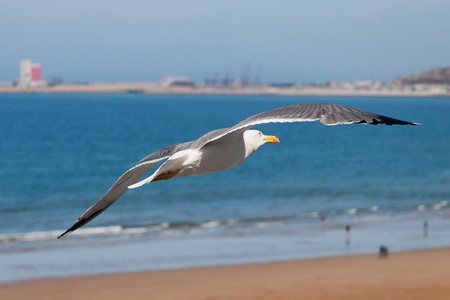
(225, 148)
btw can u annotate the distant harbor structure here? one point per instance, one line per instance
(432, 83)
(30, 74)
(182, 81)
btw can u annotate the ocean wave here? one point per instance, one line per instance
(372, 213)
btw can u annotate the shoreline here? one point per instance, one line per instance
(120, 252)
(403, 275)
(156, 88)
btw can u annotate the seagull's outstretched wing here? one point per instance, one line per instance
(121, 185)
(328, 114)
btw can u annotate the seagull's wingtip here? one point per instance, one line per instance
(66, 232)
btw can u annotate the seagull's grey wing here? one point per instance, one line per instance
(328, 114)
(121, 185)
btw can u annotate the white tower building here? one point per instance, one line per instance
(30, 74)
(25, 73)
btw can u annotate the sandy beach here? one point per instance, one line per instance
(406, 275)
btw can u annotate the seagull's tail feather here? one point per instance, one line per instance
(142, 182)
(165, 167)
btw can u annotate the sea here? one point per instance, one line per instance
(322, 191)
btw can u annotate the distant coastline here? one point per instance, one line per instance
(333, 89)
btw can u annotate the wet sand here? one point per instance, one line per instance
(407, 275)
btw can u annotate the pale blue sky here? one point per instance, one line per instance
(286, 40)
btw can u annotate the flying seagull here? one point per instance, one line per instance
(225, 148)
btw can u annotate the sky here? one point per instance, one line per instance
(280, 41)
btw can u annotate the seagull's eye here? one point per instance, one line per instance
(260, 133)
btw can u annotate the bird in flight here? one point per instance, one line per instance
(225, 148)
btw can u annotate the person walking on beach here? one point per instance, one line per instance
(347, 234)
(425, 228)
(384, 252)
(323, 218)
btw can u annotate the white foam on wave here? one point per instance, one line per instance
(313, 214)
(262, 225)
(268, 224)
(34, 236)
(135, 231)
(232, 221)
(440, 205)
(210, 224)
(98, 231)
(352, 211)
(39, 236)
(164, 225)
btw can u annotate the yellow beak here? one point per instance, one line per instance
(271, 139)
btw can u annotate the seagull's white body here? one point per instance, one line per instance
(213, 158)
(226, 148)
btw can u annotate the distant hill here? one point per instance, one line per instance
(434, 76)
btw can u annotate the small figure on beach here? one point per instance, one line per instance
(323, 218)
(425, 228)
(347, 233)
(384, 252)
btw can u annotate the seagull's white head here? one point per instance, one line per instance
(254, 139)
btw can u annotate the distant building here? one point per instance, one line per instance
(25, 72)
(177, 81)
(281, 84)
(36, 73)
(363, 85)
(30, 74)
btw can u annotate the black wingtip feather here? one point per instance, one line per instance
(392, 121)
(81, 222)
(66, 232)
(75, 226)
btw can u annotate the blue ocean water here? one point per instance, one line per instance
(61, 152)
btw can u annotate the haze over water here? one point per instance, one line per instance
(61, 153)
